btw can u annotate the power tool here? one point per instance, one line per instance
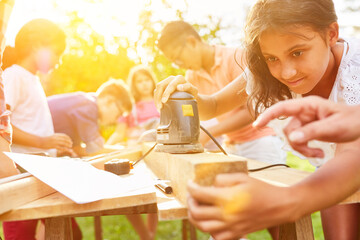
(179, 128)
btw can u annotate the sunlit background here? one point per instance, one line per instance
(105, 38)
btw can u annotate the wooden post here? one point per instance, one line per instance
(188, 227)
(192, 230)
(98, 228)
(299, 230)
(58, 228)
(184, 229)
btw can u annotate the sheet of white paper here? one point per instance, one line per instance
(80, 181)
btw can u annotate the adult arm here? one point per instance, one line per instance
(233, 95)
(86, 125)
(239, 204)
(237, 121)
(7, 165)
(119, 134)
(59, 141)
(314, 118)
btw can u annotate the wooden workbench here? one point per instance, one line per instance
(57, 209)
(280, 176)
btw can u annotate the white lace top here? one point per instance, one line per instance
(346, 90)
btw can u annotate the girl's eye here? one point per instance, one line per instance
(297, 54)
(271, 59)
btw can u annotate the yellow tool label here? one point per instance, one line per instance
(187, 110)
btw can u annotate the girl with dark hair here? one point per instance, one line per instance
(142, 82)
(293, 49)
(38, 46)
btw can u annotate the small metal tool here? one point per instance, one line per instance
(164, 187)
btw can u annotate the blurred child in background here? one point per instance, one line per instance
(38, 46)
(79, 115)
(144, 116)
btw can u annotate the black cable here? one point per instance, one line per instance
(143, 156)
(214, 140)
(270, 166)
(250, 170)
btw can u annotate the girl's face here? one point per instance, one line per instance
(46, 59)
(299, 58)
(144, 84)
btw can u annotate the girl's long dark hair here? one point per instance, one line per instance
(278, 15)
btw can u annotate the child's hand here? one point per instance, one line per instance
(169, 85)
(60, 141)
(238, 204)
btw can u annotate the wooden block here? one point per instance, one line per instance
(200, 167)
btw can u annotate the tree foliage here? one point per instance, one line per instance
(87, 61)
(86, 64)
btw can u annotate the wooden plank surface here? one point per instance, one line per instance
(200, 167)
(56, 205)
(283, 176)
(19, 192)
(16, 193)
(169, 208)
(280, 176)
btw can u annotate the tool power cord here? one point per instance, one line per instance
(223, 150)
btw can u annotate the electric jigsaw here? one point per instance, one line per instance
(179, 128)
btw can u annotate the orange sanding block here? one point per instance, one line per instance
(118, 166)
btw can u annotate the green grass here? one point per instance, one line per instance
(117, 227)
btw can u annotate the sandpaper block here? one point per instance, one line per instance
(118, 166)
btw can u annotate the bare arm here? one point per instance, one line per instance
(233, 95)
(59, 141)
(119, 134)
(7, 166)
(240, 204)
(237, 121)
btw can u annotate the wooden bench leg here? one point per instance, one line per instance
(98, 228)
(58, 228)
(192, 232)
(185, 226)
(185, 223)
(299, 230)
